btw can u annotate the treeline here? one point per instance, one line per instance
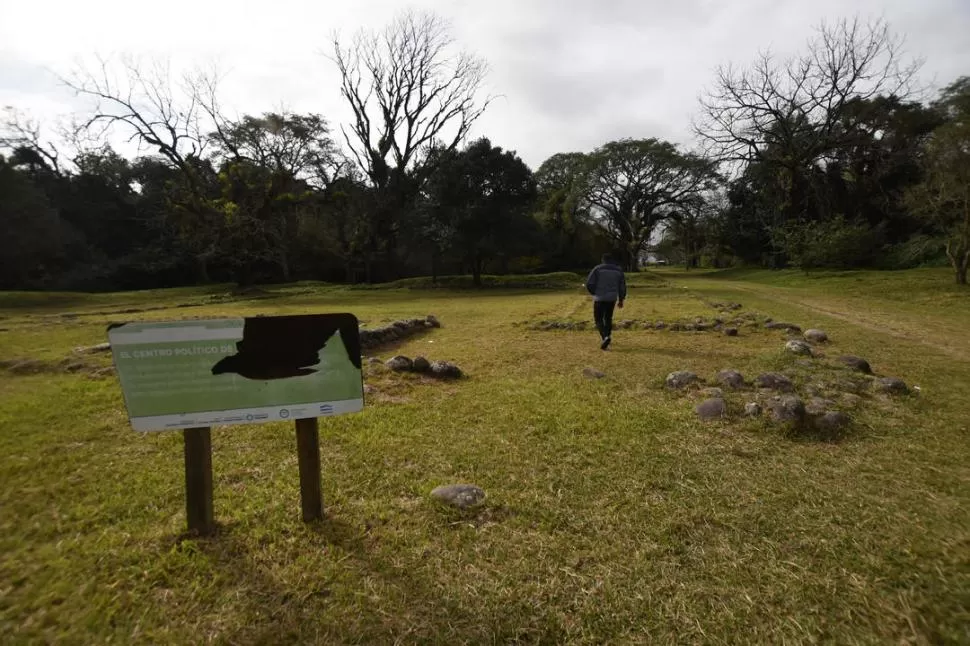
(824, 160)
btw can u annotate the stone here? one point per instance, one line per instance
(731, 378)
(445, 370)
(712, 392)
(856, 363)
(798, 347)
(593, 373)
(680, 379)
(369, 390)
(831, 421)
(710, 409)
(816, 336)
(100, 347)
(659, 325)
(818, 405)
(752, 409)
(374, 361)
(778, 325)
(774, 381)
(730, 331)
(462, 496)
(433, 320)
(891, 385)
(850, 400)
(420, 364)
(786, 408)
(400, 363)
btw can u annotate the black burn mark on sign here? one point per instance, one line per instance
(280, 347)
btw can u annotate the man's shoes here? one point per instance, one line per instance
(606, 343)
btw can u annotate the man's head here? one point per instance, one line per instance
(608, 259)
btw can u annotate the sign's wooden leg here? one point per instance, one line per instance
(308, 455)
(198, 480)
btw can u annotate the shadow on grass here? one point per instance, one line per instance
(288, 604)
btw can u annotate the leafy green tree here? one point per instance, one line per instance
(633, 184)
(479, 200)
(34, 248)
(944, 195)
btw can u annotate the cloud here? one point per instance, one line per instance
(571, 74)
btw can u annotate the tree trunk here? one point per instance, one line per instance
(959, 260)
(202, 269)
(477, 271)
(284, 264)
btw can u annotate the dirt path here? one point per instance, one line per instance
(919, 331)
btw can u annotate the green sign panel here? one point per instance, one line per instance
(184, 374)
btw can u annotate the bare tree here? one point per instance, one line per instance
(141, 102)
(789, 112)
(21, 134)
(407, 91)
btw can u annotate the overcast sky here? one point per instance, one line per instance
(572, 74)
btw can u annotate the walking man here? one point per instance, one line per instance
(607, 284)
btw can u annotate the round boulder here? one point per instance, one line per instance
(445, 370)
(681, 379)
(710, 409)
(730, 331)
(752, 409)
(892, 386)
(856, 363)
(400, 363)
(774, 381)
(786, 408)
(816, 336)
(818, 405)
(432, 320)
(421, 364)
(798, 347)
(731, 379)
(712, 392)
(831, 421)
(461, 496)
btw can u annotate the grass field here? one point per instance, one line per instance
(613, 514)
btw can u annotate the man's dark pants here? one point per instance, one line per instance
(603, 315)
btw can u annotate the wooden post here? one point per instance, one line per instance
(198, 480)
(308, 455)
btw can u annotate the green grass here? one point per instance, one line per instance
(613, 514)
